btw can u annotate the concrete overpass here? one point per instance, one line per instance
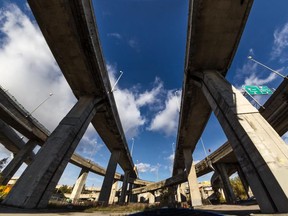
(69, 28)
(275, 112)
(214, 31)
(14, 114)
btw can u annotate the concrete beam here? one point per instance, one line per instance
(79, 185)
(275, 114)
(124, 188)
(16, 116)
(39, 180)
(16, 162)
(179, 178)
(214, 31)
(260, 151)
(227, 187)
(109, 178)
(195, 195)
(70, 30)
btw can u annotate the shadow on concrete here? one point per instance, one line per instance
(175, 211)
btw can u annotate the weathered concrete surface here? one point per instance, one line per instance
(39, 180)
(113, 192)
(261, 153)
(214, 31)
(70, 30)
(192, 178)
(16, 115)
(10, 139)
(227, 187)
(109, 178)
(124, 188)
(16, 162)
(275, 112)
(179, 178)
(79, 185)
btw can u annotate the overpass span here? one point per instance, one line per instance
(214, 31)
(14, 114)
(69, 28)
(275, 112)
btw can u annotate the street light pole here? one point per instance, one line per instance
(40, 104)
(132, 146)
(274, 71)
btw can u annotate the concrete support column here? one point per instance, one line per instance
(16, 162)
(227, 187)
(38, 181)
(261, 153)
(124, 187)
(179, 200)
(113, 192)
(244, 182)
(78, 187)
(192, 178)
(151, 198)
(109, 177)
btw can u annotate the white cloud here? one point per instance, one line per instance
(115, 35)
(145, 167)
(254, 80)
(280, 43)
(150, 97)
(248, 73)
(129, 104)
(166, 121)
(28, 69)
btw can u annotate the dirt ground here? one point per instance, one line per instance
(221, 209)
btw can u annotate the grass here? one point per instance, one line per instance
(132, 207)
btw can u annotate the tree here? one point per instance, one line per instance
(3, 162)
(238, 188)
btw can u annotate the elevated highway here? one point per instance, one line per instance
(70, 31)
(214, 31)
(275, 112)
(14, 114)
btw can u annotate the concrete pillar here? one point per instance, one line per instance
(227, 187)
(38, 181)
(124, 187)
(151, 198)
(113, 192)
(244, 182)
(16, 162)
(78, 187)
(109, 177)
(260, 151)
(179, 200)
(192, 178)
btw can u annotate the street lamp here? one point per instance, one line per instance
(274, 71)
(121, 73)
(40, 104)
(132, 146)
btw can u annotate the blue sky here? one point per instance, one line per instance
(146, 40)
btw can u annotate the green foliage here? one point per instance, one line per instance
(3, 162)
(65, 189)
(238, 188)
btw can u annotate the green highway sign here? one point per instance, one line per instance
(257, 90)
